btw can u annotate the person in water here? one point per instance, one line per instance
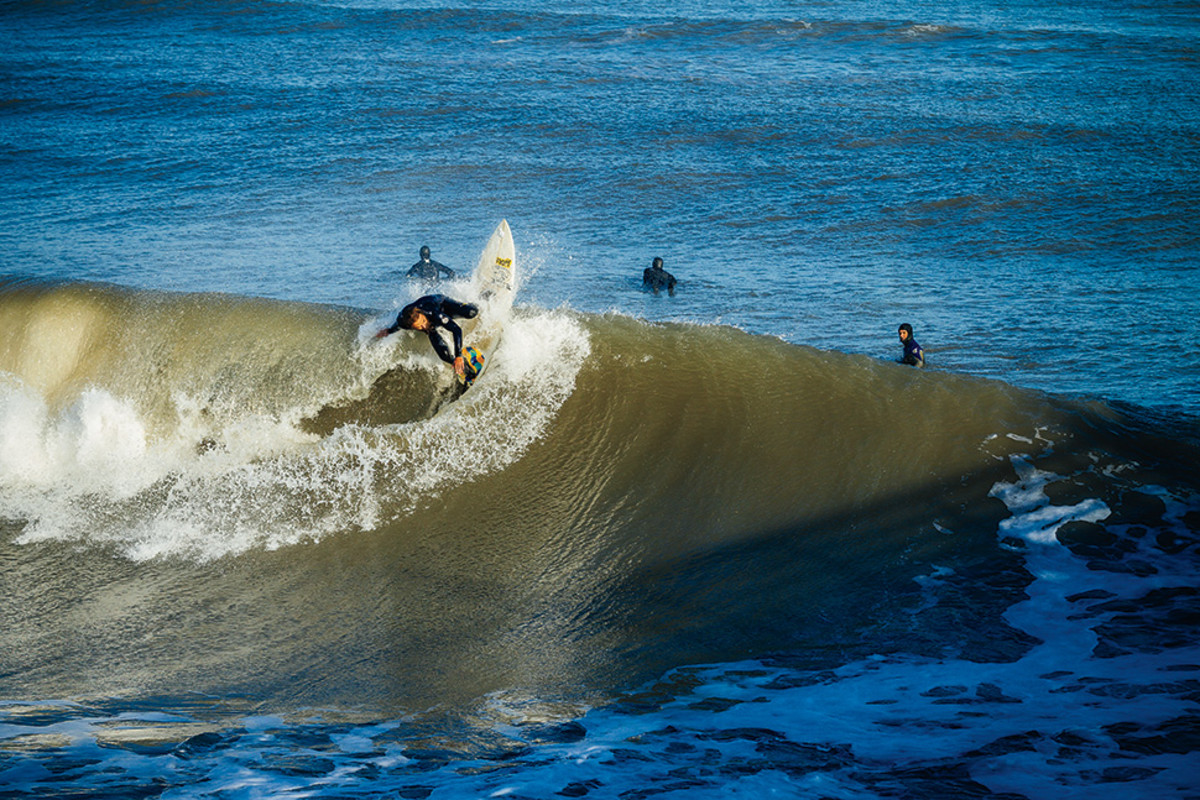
(655, 278)
(427, 269)
(431, 313)
(913, 354)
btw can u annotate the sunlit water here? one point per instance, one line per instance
(1020, 184)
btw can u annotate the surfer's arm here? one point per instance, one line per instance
(443, 268)
(389, 331)
(439, 344)
(456, 360)
(456, 332)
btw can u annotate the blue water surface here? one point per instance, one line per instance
(1018, 183)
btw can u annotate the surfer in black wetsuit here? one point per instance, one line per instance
(913, 354)
(655, 278)
(427, 269)
(429, 313)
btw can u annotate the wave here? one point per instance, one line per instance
(612, 498)
(206, 425)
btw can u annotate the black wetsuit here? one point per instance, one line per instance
(429, 270)
(440, 309)
(656, 279)
(913, 354)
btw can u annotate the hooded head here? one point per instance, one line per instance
(657, 263)
(424, 252)
(906, 332)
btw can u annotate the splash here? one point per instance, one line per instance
(215, 459)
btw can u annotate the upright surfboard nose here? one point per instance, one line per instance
(494, 283)
(495, 278)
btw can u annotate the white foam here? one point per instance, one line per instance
(97, 444)
(1034, 519)
(93, 472)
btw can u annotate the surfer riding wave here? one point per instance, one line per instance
(431, 314)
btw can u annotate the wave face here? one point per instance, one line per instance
(614, 498)
(206, 425)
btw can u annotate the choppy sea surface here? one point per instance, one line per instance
(704, 545)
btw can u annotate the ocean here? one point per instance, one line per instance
(711, 544)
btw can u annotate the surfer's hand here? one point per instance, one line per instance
(460, 368)
(381, 334)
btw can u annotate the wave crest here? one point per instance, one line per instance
(216, 458)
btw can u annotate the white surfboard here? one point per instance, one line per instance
(495, 275)
(492, 287)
